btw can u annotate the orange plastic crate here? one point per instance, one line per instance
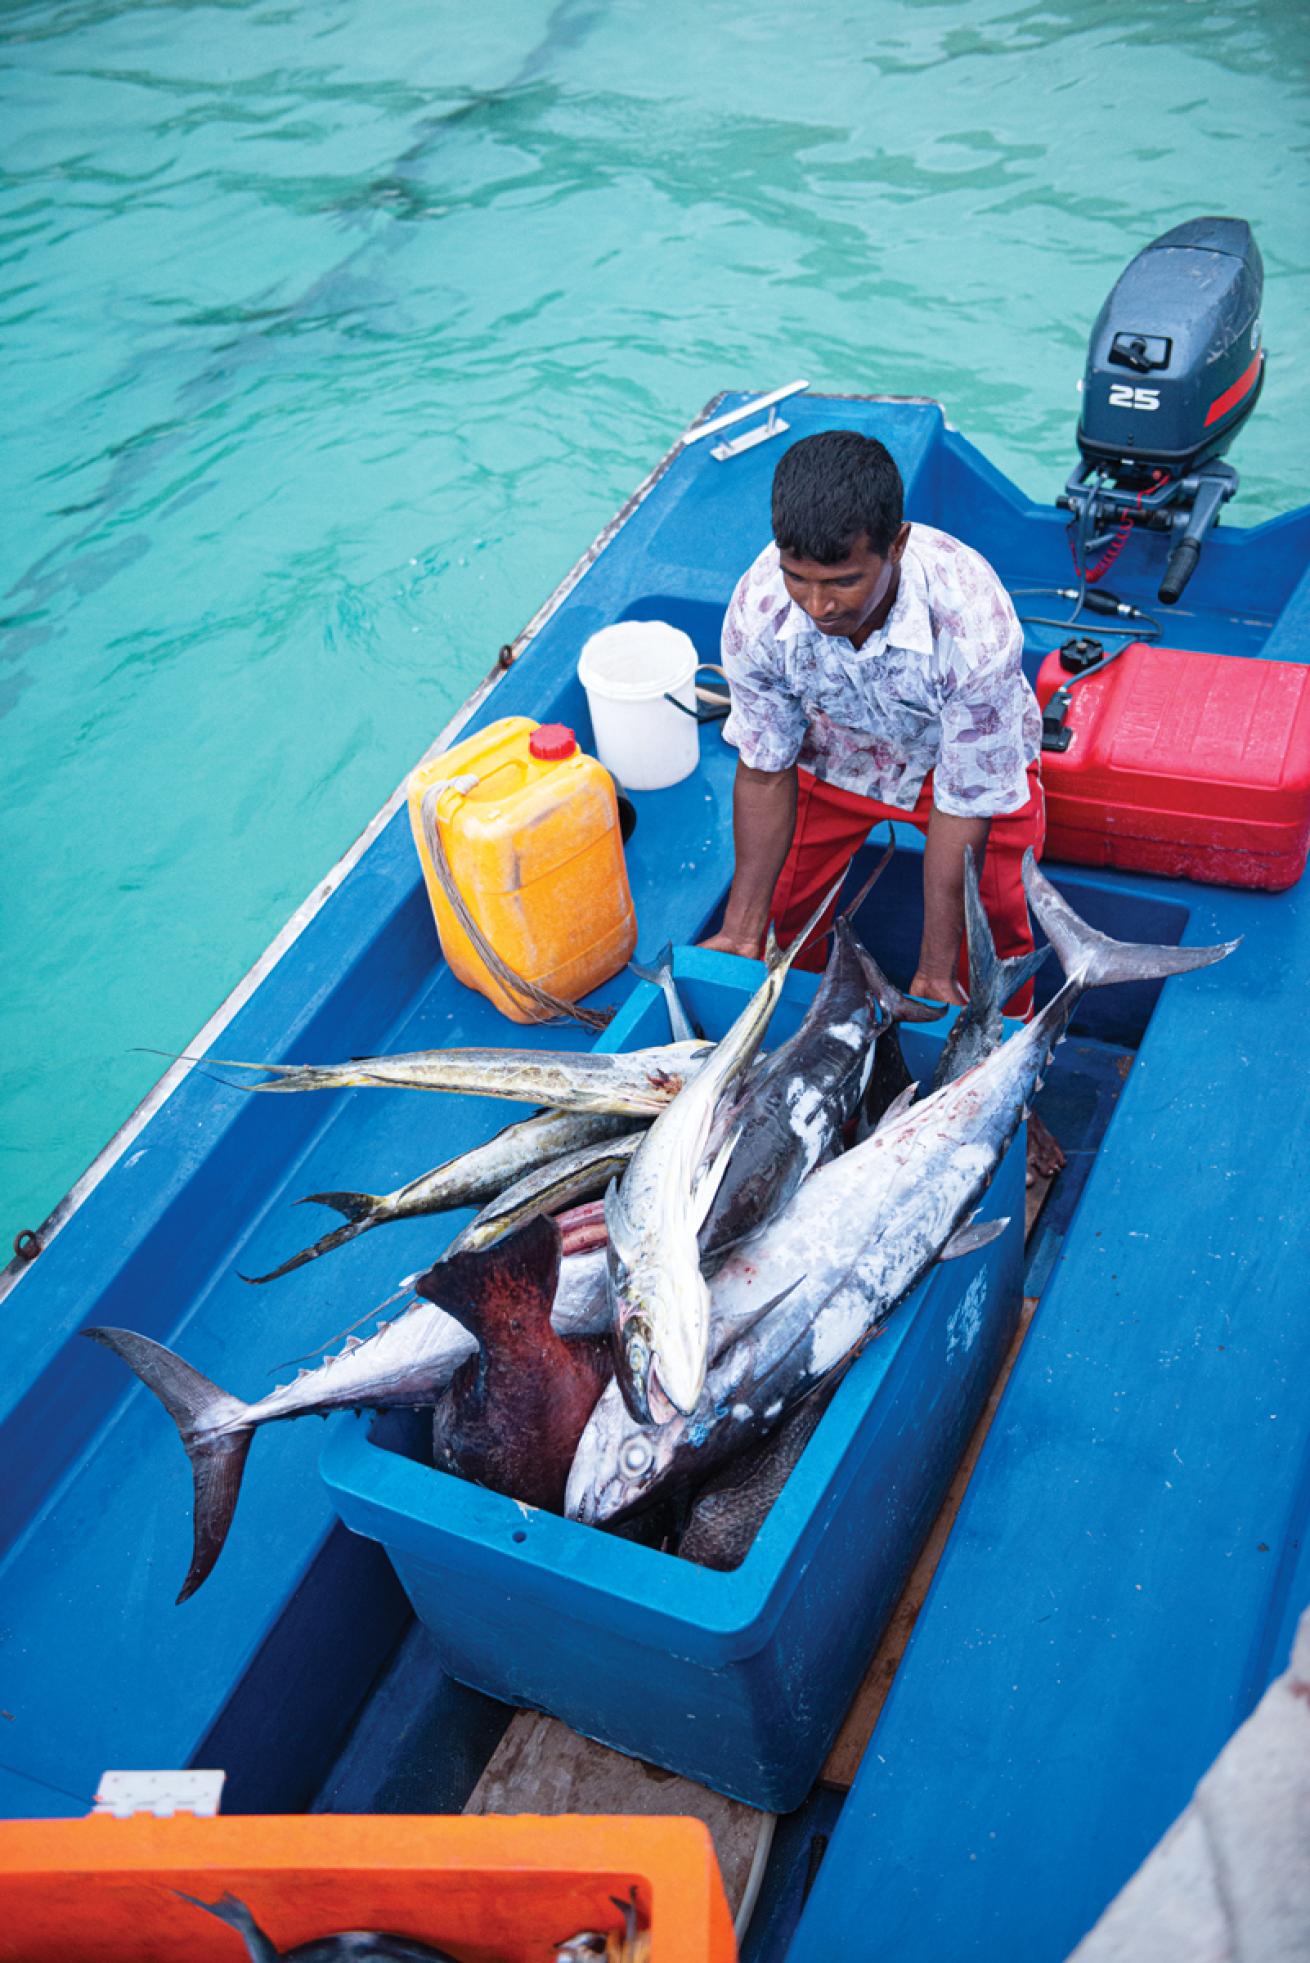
(501, 1890)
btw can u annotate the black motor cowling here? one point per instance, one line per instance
(1175, 363)
(1174, 368)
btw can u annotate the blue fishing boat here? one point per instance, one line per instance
(1127, 1565)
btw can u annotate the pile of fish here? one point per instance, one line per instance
(655, 1360)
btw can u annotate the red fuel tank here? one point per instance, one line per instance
(1192, 765)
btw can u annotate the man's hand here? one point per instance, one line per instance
(763, 819)
(938, 988)
(722, 943)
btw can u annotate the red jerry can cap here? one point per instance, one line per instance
(552, 742)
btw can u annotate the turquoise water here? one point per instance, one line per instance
(334, 332)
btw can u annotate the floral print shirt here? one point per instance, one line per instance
(938, 688)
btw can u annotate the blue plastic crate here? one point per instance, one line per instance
(740, 1679)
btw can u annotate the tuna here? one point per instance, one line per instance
(889, 1081)
(796, 1103)
(407, 1362)
(859, 1236)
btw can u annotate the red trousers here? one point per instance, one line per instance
(831, 826)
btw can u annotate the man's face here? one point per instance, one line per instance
(842, 599)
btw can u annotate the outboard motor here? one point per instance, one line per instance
(1174, 368)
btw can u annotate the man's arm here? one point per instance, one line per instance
(763, 820)
(943, 902)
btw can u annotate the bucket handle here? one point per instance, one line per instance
(711, 705)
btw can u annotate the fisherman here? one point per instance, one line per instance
(875, 672)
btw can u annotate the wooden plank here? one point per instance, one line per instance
(540, 1766)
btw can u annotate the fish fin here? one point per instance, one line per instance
(614, 1223)
(899, 1105)
(1093, 959)
(973, 1235)
(513, 1278)
(1018, 970)
(710, 1178)
(321, 1353)
(893, 1006)
(197, 1408)
(237, 1916)
(776, 1301)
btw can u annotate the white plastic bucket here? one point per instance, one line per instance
(628, 670)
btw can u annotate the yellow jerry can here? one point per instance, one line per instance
(529, 827)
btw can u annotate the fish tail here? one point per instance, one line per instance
(362, 1211)
(485, 1287)
(352, 1206)
(894, 1006)
(209, 1424)
(991, 981)
(660, 973)
(1091, 959)
(337, 1238)
(656, 970)
(237, 1916)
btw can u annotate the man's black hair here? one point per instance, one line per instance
(828, 489)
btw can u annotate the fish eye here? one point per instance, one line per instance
(635, 1456)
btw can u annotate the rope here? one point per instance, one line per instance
(540, 1004)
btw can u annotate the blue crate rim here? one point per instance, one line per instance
(744, 1603)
